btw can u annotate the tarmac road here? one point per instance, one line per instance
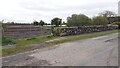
(99, 51)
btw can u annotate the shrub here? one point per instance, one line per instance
(6, 41)
(49, 36)
(116, 23)
(57, 31)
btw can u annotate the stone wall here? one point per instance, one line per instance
(83, 29)
(18, 32)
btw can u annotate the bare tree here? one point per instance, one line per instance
(107, 14)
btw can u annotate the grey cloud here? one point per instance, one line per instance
(41, 9)
(45, 8)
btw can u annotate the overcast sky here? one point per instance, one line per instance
(30, 10)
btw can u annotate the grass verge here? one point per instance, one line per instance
(16, 49)
(21, 44)
(33, 40)
(80, 38)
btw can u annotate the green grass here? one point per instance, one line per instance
(80, 38)
(21, 44)
(0, 41)
(0, 52)
(16, 49)
(34, 40)
(6, 41)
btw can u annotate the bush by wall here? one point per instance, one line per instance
(116, 23)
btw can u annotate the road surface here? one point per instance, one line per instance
(99, 51)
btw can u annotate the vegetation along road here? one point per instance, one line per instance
(92, 51)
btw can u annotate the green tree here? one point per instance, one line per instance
(36, 23)
(41, 23)
(45, 24)
(56, 21)
(100, 20)
(64, 23)
(78, 20)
